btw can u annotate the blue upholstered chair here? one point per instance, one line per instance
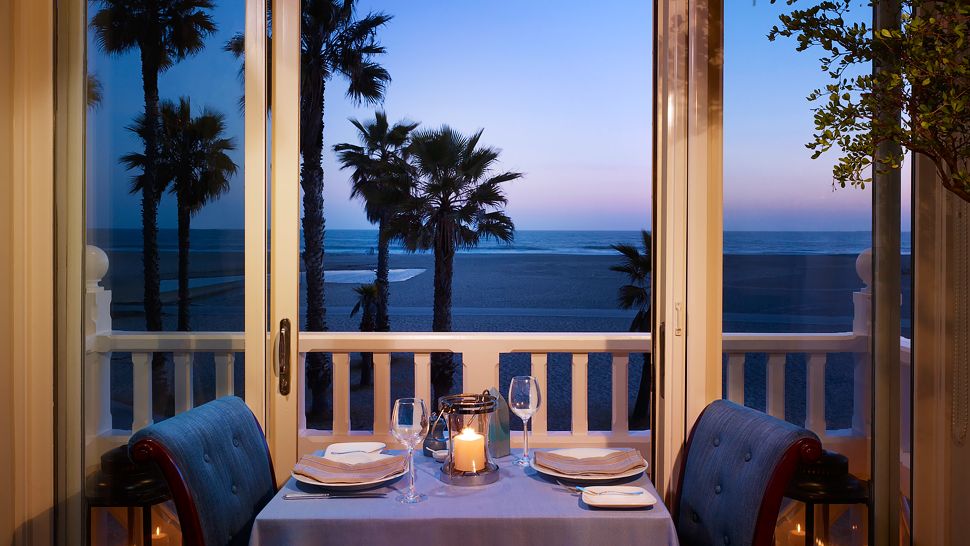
(739, 462)
(217, 465)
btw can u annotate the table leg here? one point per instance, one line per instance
(825, 522)
(131, 524)
(809, 524)
(146, 524)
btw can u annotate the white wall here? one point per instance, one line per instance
(26, 271)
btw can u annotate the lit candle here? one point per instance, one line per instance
(159, 538)
(797, 536)
(469, 451)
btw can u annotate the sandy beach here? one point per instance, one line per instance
(527, 293)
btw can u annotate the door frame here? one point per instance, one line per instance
(283, 419)
(688, 231)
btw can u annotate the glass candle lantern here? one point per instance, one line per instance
(469, 461)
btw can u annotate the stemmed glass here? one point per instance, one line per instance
(409, 425)
(524, 400)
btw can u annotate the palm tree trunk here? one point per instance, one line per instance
(150, 195)
(366, 359)
(184, 219)
(311, 179)
(382, 319)
(442, 364)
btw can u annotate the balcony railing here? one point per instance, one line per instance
(480, 369)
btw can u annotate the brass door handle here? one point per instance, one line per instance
(284, 357)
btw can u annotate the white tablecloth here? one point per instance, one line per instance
(521, 508)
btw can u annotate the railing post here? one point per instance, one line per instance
(97, 362)
(815, 393)
(862, 328)
(579, 402)
(540, 421)
(341, 394)
(735, 382)
(422, 380)
(621, 393)
(382, 393)
(479, 370)
(775, 399)
(184, 372)
(225, 367)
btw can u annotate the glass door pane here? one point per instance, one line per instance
(169, 178)
(578, 154)
(797, 261)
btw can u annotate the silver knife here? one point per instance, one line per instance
(310, 496)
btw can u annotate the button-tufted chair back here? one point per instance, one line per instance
(739, 462)
(217, 464)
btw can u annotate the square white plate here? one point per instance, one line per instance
(642, 500)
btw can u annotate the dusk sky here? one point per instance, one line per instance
(562, 89)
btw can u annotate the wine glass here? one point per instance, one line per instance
(524, 400)
(409, 425)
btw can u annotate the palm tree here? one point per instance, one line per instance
(382, 178)
(94, 92)
(164, 32)
(368, 301)
(636, 266)
(197, 150)
(459, 201)
(193, 163)
(333, 40)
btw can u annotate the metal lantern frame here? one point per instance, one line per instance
(468, 411)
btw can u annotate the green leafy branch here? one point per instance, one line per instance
(917, 101)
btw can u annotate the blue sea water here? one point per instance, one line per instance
(363, 241)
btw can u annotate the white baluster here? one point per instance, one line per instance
(382, 393)
(540, 421)
(579, 409)
(422, 380)
(300, 393)
(141, 396)
(184, 393)
(735, 384)
(225, 376)
(815, 386)
(621, 393)
(479, 370)
(341, 394)
(862, 327)
(97, 365)
(776, 385)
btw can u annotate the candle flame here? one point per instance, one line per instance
(798, 527)
(158, 531)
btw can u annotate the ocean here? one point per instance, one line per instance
(363, 242)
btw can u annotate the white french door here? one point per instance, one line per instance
(282, 373)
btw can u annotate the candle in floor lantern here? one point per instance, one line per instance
(797, 536)
(159, 538)
(469, 451)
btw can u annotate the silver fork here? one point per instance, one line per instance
(580, 489)
(348, 495)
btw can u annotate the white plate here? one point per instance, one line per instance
(585, 453)
(643, 500)
(351, 458)
(347, 448)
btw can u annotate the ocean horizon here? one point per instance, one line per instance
(560, 242)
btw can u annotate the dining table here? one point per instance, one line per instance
(522, 507)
